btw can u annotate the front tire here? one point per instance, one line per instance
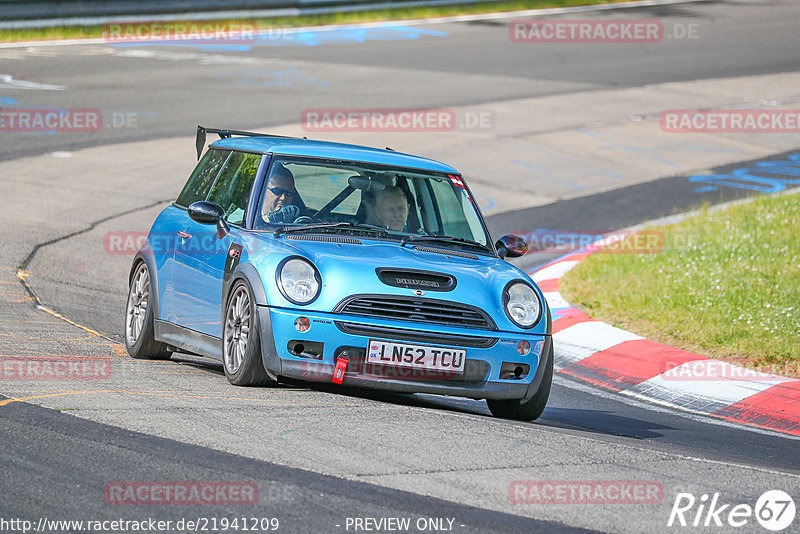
(526, 410)
(139, 330)
(241, 343)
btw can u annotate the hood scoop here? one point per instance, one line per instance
(416, 279)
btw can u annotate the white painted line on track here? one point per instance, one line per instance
(7, 81)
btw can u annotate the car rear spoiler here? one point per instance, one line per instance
(200, 140)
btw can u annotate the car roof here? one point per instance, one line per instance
(291, 146)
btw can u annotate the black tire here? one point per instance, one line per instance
(241, 342)
(531, 409)
(139, 331)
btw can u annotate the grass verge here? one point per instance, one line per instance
(85, 32)
(726, 285)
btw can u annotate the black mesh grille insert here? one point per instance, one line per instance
(419, 310)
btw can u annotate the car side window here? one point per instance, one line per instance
(232, 188)
(204, 174)
(455, 220)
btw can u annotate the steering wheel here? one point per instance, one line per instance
(305, 219)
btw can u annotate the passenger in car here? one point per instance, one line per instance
(387, 208)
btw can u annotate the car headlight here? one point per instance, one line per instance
(522, 304)
(298, 280)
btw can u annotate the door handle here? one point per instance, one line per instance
(184, 234)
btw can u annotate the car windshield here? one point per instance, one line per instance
(410, 205)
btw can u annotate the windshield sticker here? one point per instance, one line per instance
(458, 183)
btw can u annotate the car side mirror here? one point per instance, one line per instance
(209, 213)
(512, 246)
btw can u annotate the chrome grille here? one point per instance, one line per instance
(415, 309)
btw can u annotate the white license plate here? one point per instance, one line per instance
(416, 356)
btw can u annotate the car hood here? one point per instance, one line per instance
(350, 269)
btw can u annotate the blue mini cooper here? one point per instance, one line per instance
(327, 262)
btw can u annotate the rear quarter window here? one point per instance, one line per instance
(232, 188)
(203, 177)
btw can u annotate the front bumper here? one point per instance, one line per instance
(489, 354)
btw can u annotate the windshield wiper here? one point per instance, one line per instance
(365, 228)
(444, 239)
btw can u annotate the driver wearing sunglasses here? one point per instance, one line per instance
(278, 206)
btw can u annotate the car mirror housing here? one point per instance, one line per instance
(209, 213)
(206, 212)
(512, 246)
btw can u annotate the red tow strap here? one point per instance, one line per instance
(338, 373)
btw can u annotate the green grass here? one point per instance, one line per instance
(726, 285)
(80, 32)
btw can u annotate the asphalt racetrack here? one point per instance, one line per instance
(570, 141)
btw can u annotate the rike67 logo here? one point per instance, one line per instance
(774, 510)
